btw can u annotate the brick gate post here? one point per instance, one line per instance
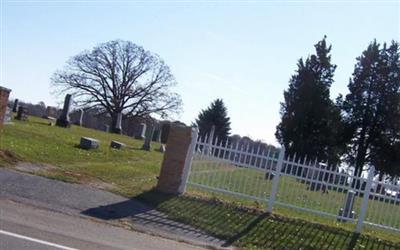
(4, 93)
(177, 159)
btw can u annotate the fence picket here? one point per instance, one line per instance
(241, 170)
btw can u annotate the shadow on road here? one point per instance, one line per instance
(124, 209)
(140, 204)
(141, 210)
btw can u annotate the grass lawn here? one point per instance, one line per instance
(252, 229)
(252, 182)
(129, 172)
(132, 172)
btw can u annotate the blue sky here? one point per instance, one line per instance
(243, 52)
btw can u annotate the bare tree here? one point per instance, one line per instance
(119, 77)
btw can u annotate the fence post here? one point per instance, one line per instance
(210, 141)
(188, 161)
(364, 204)
(275, 181)
(4, 94)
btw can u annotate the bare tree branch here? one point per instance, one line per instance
(119, 76)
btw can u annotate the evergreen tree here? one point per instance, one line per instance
(216, 114)
(311, 122)
(372, 109)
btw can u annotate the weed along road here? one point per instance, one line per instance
(28, 227)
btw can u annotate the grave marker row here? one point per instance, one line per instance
(144, 132)
(22, 114)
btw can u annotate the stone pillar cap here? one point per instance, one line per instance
(5, 89)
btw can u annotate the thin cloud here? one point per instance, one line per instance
(228, 84)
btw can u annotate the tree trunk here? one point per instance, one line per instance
(360, 159)
(380, 176)
(361, 153)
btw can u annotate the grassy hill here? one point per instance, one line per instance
(51, 151)
(56, 154)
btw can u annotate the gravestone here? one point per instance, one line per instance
(269, 175)
(63, 120)
(106, 128)
(162, 148)
(15, 106)
(7, 116)
(165, 132)
(118, 125)
(157, 135)
(89, 143)
(22, 114)
(52, 121)
(117, 145)
(51, 112)
(141, 132)
(80, 121)
(147, 142)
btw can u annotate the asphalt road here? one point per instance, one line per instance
(27, 227)
(82, 201)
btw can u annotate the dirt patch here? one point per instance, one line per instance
(89, 181)
(52, 171)
(96, 183)
(8, 156)
(101, 185)
(33, 167)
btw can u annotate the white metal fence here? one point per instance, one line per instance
(265, 175)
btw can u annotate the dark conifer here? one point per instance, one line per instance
(216, 114)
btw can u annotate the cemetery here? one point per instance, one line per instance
(34, 141)
(131, 165)
(209, 124)
(310, 188)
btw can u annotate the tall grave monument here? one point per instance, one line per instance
(118, 125)
(63, 120)
(147, 141)
(15, 106)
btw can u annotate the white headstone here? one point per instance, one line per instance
(81, 112)
(141, 133)
(118, 125)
